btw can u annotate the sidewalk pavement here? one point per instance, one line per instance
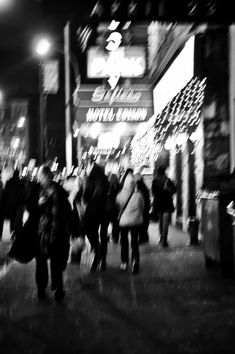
(173, 306)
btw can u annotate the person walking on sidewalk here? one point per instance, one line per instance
(14, 201)
(163, 189)
(130, 204)
(111, 213)
(53, 234)
(1, 207)
(142, 187)
(94, 196)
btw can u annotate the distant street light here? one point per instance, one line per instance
(4, 4)
(43, 47)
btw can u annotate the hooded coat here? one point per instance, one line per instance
(132, 212)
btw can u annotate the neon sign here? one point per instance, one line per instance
(124, 62)
(116, 115)
(119, 94)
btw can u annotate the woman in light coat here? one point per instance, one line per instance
(130, 203)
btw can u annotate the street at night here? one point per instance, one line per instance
(117, 177)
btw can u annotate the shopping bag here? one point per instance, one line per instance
(24, 246)
(77, 245)
(87, 255)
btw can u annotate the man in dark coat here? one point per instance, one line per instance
(14, 200)
(163, 190)
(54, 232)
(1, 208)
(95, 194)
(141, 186)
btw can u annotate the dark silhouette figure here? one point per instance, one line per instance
(54, 230)
(111, 212)
(95, 194)
(130, 204)
(163, 190)
(1, 208)
(14, 201)
(141, 186)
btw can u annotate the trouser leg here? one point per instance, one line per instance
(104, 239)
(124, 245)
(41, 273)
(12, 221)
(160, 224)
(56, 274)
(1, 224)
(165, 227)
(18, 221)
(135, 245)
(115, 230)
(93, 237)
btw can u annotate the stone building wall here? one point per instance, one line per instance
(215, 113)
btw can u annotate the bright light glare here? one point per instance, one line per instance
(25, 170)
(176, 77)
(108, 140)
(1, 94)
(76, 133)
(181, 139)
(95, 130)
(15, 143)
(113, 25)
(170, 143)
(120, 128)
(5, 3)
(21, 122)
(43, 47)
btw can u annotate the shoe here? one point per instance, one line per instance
(135, 268)
(123, 266)
(103, 266)
(41, 294)
(94, 266)
(59, 295)
(53, 287)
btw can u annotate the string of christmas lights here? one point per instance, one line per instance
(181, 115)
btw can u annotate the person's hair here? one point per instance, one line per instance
(16, 173)
(161, 170)
(47, 171)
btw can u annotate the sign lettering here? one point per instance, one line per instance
(101, 95)
(119, 115)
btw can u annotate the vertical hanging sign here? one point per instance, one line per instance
(50, 76)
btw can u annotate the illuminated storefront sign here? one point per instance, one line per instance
(119, 94)
(116, 114)
(100, 104)
(177, 76)
(125, 62)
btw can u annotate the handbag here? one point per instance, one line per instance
(125, 205)
(24, 246)
(77, 245)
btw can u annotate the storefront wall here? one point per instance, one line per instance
(205, 163)
(215, 114)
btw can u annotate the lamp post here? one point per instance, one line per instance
(42, 49)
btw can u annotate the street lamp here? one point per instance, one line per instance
(42, 49)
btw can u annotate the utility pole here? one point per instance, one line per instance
(68, 108)
(43, 120)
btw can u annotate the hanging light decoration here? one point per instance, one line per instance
(180, 116)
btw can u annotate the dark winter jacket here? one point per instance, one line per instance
(95, 194)
(163, 190)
